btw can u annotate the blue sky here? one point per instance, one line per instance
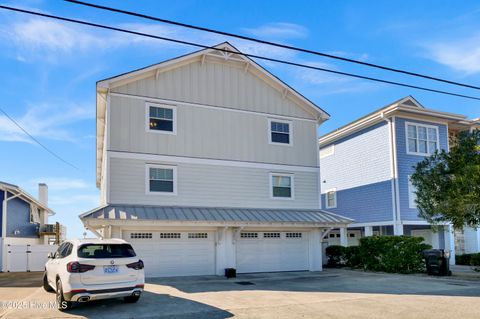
(49, 69)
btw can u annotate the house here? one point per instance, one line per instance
(366, 164)
(207, 162)
(24, 221)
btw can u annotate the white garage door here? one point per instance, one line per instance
(174, 253)
(272, 251)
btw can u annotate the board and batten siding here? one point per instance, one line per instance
(210, 133)
(218, 84)
(209, 185)
(360, 171)
(406, 162)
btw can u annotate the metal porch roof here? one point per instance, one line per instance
(214, 214)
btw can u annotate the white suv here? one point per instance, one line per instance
(92, 269)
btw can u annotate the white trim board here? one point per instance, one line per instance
(206, 161)
(150, 99)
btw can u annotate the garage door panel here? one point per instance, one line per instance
(169, 256)
(259, 254)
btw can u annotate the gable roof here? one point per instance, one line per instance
(14, 189)
(223, 50)
(407, 105)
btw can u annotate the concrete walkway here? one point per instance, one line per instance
(333, 293)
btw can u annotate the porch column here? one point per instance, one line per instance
(448, 235)
(343, 237)
(315, 250)
(368, 231)
(225, 250)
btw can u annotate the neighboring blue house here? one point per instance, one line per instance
(365, 168)
(24, 221)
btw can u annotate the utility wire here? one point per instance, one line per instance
(239, 53)
(280, 45)
(37, 141)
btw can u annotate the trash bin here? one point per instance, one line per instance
(230, 272)
(437, 262)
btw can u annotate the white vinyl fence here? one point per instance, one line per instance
(27, 257)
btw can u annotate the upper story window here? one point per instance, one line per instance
(281, 186)
(161, 179)
(161, 119)
(421, 139)
(280, 132)
(331, 198)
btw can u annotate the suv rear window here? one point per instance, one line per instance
(106, 251)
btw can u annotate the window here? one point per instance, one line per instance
(280, 132)
(197, 235)
(140, 235)
(271, 235)
(161, 179)
(327, 151)
(106, 251)
(281, 186)
(351, 235)
(169, 235)
(331, 198)
(412, 196)
(293, 235)
(161, 119)
(421, 139)
(331, 235)
(248, 235)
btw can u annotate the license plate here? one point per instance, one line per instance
(110, 269)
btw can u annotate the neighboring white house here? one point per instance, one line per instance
(206, 162)
(25, 232)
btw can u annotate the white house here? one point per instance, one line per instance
(206, 162)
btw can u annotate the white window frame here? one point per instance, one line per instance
(417, 125)
(164, 106)
(334, 190)
(290, 131)
(292, 185)
(411, 195)
(327, 151)
(147, 179)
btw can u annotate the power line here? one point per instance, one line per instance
(35, 140)
(280, 45)
(239, 53)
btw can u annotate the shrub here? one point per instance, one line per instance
(463, 259)
(336, 255)
(394, 254)
(352, 257)
(475, 261)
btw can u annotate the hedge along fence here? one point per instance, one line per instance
(394, 254)
(469, 260)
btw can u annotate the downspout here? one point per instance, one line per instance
(393, 169)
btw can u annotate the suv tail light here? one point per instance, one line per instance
(136, 265)
(75, 266)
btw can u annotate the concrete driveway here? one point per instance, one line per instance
(330, 294)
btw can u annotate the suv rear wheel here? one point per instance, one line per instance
(62, 304)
